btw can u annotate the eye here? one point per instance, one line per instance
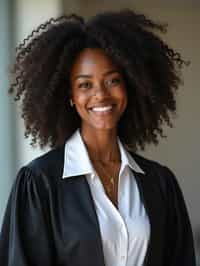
(116, 80)
(113, 81)
(85, 85)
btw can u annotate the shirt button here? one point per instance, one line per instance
(93, 176)
(122, 257)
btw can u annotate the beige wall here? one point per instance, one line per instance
(181, 150)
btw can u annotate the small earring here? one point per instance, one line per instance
(71, 103)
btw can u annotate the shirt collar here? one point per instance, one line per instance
(77, 161)
(127, 159)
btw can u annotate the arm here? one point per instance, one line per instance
(179, 244)
(25, 235)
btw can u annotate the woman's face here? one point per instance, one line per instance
(97, 90)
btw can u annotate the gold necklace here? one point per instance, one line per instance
(109, 180)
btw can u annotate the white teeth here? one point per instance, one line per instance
(101, 109)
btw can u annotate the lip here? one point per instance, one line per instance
(101, 105)
(101, 113)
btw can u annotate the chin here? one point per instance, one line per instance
(105, 127)
(100, 125)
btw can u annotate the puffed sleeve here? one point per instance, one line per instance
(179, 244)
(25, 234)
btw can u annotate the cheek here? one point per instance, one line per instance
(80, 102)
(122, 95)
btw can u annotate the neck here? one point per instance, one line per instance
(102, 145)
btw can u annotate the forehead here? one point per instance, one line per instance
(92, 61)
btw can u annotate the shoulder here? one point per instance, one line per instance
(159, 174)
(49, 163)
(148, 165)
(47, 167)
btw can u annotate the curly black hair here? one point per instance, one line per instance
(151, 70)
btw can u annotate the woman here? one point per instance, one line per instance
(96, 91)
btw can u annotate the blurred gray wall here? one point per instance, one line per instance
(7, 123)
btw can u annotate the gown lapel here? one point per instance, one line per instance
(82, 229)
(154, 205)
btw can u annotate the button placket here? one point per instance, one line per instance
(120, 190)
(123, 243)
(123, 246)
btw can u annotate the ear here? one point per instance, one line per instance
(71, 103)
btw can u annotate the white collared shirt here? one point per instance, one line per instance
(125, 231)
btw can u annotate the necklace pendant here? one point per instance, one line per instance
(109, 189)
(112, 180)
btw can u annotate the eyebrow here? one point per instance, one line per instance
(90, 76)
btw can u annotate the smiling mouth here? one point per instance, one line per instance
(102, 110)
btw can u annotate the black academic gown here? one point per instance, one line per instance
(50, 221)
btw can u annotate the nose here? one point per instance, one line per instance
(101, 90)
